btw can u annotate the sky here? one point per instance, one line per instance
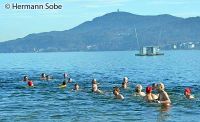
(19, 23)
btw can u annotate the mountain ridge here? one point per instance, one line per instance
(110, 32)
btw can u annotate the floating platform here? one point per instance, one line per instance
(149, 54)
(149, 51)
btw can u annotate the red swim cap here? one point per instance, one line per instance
(148, 89)
(187, 91)
(30, 83)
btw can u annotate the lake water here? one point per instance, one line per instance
(46, 102)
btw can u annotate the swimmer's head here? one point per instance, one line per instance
(25, 78)
(94, 81)
(43, 75)
(76, 87)
(48, 77)
(70, 80)
(64, 83)
(65, 75)
(125, 79)
(161, 86)
(30, 83)
(138, 88)
(148, 89)
(116, 90)
(154, 86)
(187, 91)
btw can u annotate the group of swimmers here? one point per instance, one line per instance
(162, 96)
(154, 93)
(47, 78)
(159, 88)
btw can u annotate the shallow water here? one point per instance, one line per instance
(46, 102)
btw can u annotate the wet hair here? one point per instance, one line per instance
(42, 75)
(125, 78)
(94, 81)
(65, 74)
(76, 84)
(64, 82)
(69, 80)
(47, 77)
(25, 77)
(154, 86)
(137, 90)
(116, 89)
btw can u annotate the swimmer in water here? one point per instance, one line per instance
(30, 83)
(188, 94)
(63, 85)
(116, 92)
(25, 78)
(149, 96)
(65, 75)
(95, 87)
(163, 97)
(69, 80)
(125, 83)
(48, 77)
(125, 80)
(154, 88)
(76, 87)
(43, 76)
(138, 91)
(94, 81)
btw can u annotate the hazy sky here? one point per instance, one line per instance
(19, 23)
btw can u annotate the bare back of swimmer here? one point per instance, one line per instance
(163, 97)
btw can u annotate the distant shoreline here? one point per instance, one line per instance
(94, 51)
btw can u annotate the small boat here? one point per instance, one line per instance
(149, 51)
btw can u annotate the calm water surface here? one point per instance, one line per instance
(46, 102)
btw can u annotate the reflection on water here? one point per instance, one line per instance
(47, 102)
(163, 115)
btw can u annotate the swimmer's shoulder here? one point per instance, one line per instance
(121, 96)
(62, 86)
(143, 94)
